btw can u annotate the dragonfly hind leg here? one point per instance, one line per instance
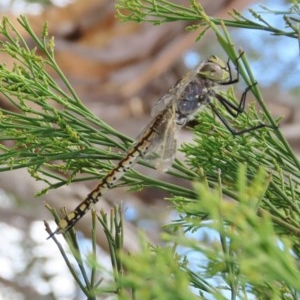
(235, 110)
(233, 130)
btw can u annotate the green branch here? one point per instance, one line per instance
(162, 11)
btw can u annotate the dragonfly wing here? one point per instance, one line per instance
(166, 154)
(162, 103)
(163, 147)
(167, 148)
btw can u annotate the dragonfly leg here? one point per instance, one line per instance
(233, 109)
(232, 80)
(233, 130)
(230, 128)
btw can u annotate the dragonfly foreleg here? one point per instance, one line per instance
(232, 80)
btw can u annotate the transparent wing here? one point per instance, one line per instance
(162, 147)
(164, 142)
(165, 147)
(163, 103)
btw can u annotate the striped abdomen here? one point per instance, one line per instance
(138, 150)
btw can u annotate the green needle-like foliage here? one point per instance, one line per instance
(246, 255)
(162, 11)
(50, 129)
(246, 190)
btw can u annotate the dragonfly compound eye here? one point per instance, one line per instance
(214, 69)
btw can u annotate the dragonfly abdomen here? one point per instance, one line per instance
(137, 151)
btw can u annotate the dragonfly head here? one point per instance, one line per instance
(214, 69)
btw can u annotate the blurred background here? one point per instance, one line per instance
(119, 70)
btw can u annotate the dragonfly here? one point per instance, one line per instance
(171, 112)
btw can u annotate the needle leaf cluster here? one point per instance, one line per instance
(245, 192)
(48, 130)
(162, 11)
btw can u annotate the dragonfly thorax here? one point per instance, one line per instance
(196, 94)
(200, 90)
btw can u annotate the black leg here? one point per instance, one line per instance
(231, 79)
(231, 129)
(233, 109)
